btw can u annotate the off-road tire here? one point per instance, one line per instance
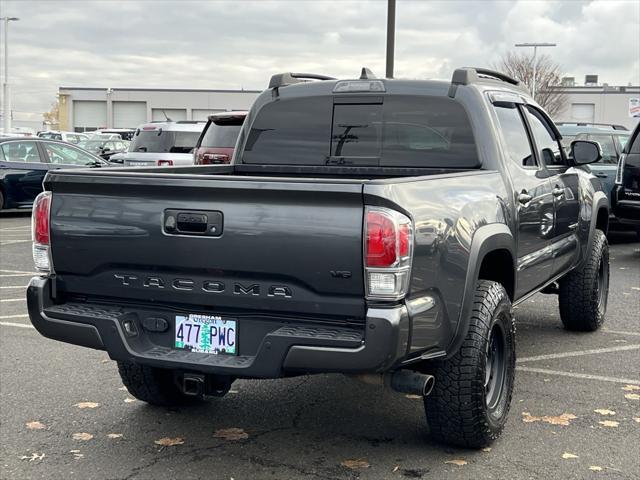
(462, 409)
(584, 291)
(153, 385)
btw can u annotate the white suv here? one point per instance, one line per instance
(163, 144)
(69, 137)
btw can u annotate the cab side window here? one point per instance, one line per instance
(515, 137)
(549, 149)
(67, 155)
(609, 154)
(21, 152)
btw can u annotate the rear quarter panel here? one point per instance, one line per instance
(447, 210)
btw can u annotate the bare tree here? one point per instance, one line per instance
(549, 92)
(52, 117)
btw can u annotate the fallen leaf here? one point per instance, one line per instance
(74, 451)
(169, 442)
(396, 468)
(114, 435)
(609, 423)
(566, 455)
(87, 405)
(355, 464)
(124, 389)
(84, 436)
(631, 388)
(563, 419)
(34, 456)
(129, 400)
(595, 468)
(106, 360)
(231, 434)
(457, 461)
(35, 425)
(636, 419)
(635, 288)
(78, 455)
(632, 396)
(232, 391)
(604, 411)
(486, 449)
(414, 397)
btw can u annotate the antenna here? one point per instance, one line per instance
(366, 74)
(165, 116)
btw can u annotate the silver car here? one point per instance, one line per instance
(163, 144)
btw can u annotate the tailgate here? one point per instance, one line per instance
(286, 247)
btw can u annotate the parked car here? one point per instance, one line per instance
(105, 148)
(307, 255)
(105, 136)
(123, 133)
(612, 142)
(25, 162)
(218, 138)
(626, 196)
(69, 137)
(163, 144)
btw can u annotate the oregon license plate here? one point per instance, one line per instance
(206, 334)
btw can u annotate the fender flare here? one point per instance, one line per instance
(599, 201)
(495, 236)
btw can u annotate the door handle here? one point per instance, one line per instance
(524, 197)
(601, 175)
(557, 191)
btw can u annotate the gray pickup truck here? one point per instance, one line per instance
(373, 227)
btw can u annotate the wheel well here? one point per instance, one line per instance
(602, 221)
(498, 266)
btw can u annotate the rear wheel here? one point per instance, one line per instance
(1, 199)
(156, 386)
(584, 292)
(470, 401)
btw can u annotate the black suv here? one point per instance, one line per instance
(626, 196)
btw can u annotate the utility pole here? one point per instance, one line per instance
(535, 51)
(5, 85)
(391, 34)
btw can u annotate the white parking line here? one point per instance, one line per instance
(4, 270)
(21, 227)
(578, 353)
(19, 325)
(13, 286)
(11, 242)
(618, 332)
(583, 376)
(22, 315)
(2, 275)
(12, 300)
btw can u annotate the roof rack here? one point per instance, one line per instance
(288, 78)
(591, 124)
(467, 75)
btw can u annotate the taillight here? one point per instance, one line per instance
(388, 253)
(40, 232)
(165, 163)
(207, 158)
(620, 170)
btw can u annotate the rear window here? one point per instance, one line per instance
(51, 136)
(220, 136)
(396, 131)
(163, 141)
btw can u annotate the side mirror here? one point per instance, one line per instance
(106, 149)
(585, 151)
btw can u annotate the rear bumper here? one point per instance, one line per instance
(302, 347)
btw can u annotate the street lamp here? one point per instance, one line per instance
(5, 85)
(535, 51)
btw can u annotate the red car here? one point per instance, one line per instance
(218, 138)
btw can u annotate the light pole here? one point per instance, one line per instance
(535, 51)
(5, 85)
(391, 36)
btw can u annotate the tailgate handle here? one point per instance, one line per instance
(191, 222)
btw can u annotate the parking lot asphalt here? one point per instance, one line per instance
(325, 426)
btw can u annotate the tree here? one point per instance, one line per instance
(549, 93)
(52, 117)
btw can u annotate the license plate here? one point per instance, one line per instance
(206, 334)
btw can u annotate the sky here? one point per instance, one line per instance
(240, 44)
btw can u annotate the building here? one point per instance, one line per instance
(85, 109)
(593, 103)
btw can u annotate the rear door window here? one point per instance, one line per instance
(221, 136)
(164, 141)
(21, 152)
(60, 153)
(391, 131)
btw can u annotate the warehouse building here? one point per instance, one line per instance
(594, 103)
(85, 109)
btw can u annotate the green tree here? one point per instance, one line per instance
(205, 338)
